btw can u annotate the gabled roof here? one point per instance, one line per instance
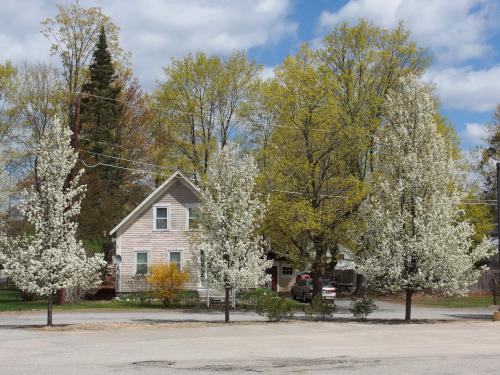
(177, 176)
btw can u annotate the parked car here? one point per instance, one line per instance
(303, 289)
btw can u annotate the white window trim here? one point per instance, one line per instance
(188, 206)
(167, 255)
(161, 205)
(135, 258)
(288, 275)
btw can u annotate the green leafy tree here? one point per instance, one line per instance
(202, 99)
(330, 104)
(313, 195)
(479, 214)
(7, 82)
(366, 62)
(73, 34)
(490, 154)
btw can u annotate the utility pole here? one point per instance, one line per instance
(496, 315)
(498, 210)
(75, 126)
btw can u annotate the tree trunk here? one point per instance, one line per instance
(60, 297)
(408, 305)
(49, 310)
(227, 304)
(317, 275)
(360, 290)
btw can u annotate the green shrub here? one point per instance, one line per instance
(361, 308)
(249, 297)
(95, 246)
(274, 307)
(320, 309)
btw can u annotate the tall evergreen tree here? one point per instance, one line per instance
(101, 116)
(101, 132)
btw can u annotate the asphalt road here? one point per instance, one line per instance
(455, 347)
(385, 311)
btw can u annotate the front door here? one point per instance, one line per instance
(273, 271)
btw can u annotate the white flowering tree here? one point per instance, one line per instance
(230, 212)
(3, 200)
(416, 238)
(51, 258)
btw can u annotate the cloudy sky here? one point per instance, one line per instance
(463, 37)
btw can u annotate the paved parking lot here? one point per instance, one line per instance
(455, 347)
(179, 342)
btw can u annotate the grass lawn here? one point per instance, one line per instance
(467, 301)
(10, 300)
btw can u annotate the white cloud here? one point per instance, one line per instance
(267, 72)
(454, 30)
(155, 30)
(466, 88)
(475, 133)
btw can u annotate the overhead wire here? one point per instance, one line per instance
(124, 159)
(120, 167)
(485, 202)
(180, 111)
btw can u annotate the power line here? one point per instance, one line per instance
(126, 149)
(135, 106)
(301, 193)
(485, 202)
(120, 167)
(489, 203)
(101, 142)
(129, 160)
(184, 112)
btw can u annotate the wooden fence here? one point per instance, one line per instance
(488, 279)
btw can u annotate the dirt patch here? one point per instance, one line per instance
(140, 325)
(159, 323)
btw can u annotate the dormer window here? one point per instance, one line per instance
(160, 221)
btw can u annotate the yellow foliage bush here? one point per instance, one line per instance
(166, 279)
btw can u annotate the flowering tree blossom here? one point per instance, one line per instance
(230, 212)
(3, 200)
(51, 258)
(416, 237)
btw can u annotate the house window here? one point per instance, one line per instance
(141, 262)
(193, 217)
(161, 218)
(287, 270)
(175, 257)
